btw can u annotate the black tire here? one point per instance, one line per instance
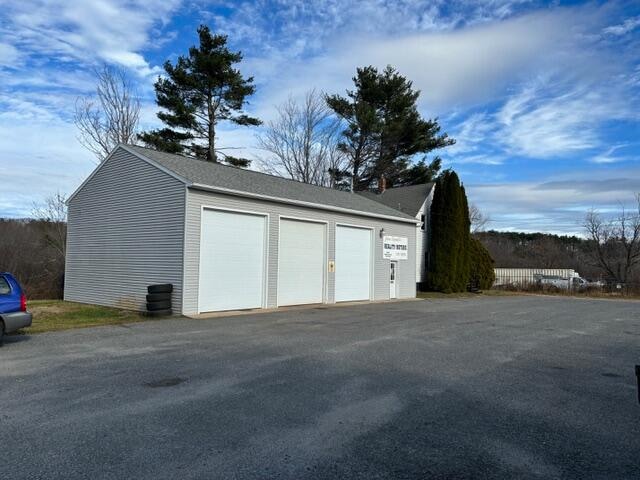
(158, 297)
(1, 332)
(158, 313)
(164, 288)
(162, 305)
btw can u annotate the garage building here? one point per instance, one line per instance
(228, 238)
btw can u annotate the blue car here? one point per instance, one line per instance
(13, 306)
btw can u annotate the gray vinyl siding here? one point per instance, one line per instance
(125, 231)
(196, 199)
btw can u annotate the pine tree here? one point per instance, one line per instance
(361, 137)
(385, 131)
(201, 90)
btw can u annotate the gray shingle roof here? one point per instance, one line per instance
(216, 175)
(406, 199)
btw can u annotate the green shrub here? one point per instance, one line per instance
(481, 270)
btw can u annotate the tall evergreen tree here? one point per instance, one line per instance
(463, 269)
(361, 136)
(384, 130)
(201, 90)
(449, 266)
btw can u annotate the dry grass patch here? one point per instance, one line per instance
(53, 315)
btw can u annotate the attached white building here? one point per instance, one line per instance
(414, 200)
(229, 239)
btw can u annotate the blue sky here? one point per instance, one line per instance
(542, 97)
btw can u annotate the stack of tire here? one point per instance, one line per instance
(159, 300)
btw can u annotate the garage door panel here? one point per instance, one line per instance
(232, 261)
(301, 262)
(353, 264)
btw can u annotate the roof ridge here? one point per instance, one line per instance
(406, 186)
(272, 175)
(203, 174)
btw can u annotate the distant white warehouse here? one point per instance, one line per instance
(228, 238)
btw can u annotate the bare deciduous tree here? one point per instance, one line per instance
(53, 221)
(111, 117)
(615, 243)
(478, 219)
(303, 141)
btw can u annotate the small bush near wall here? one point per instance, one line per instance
(482, 273)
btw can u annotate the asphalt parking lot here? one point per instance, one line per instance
(505, 387)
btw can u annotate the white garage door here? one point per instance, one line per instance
(301, 262)
(232, 261)
(353, 264)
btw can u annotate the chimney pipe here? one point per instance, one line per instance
(383, 184)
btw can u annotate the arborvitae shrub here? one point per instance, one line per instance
(482, 265)
(448, 262)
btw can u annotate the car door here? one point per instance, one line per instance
(8, 301)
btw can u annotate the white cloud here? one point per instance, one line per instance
(623, 28)
(39, 158)
(453, 68)
(608, 156)
(9, 55)
(548, 120)
(51, 46)
(553, 206)
(89, 31)
(480, 159)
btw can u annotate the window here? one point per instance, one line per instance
(422, 227)
(5, 289)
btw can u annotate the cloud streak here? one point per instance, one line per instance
(548, 122)
(89, 31)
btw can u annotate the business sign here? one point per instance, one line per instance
(395, 248)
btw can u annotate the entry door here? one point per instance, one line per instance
(392, 279)
(353, 264)
(301, 263)
(232, 261)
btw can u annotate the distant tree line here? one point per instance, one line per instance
(543, 250)
(536, 250)
(34, 249)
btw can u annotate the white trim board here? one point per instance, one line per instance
(317, 206)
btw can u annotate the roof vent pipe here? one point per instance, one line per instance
(382, 186)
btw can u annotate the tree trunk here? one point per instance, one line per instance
(211, 151)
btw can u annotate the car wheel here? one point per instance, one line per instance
(1, 332)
